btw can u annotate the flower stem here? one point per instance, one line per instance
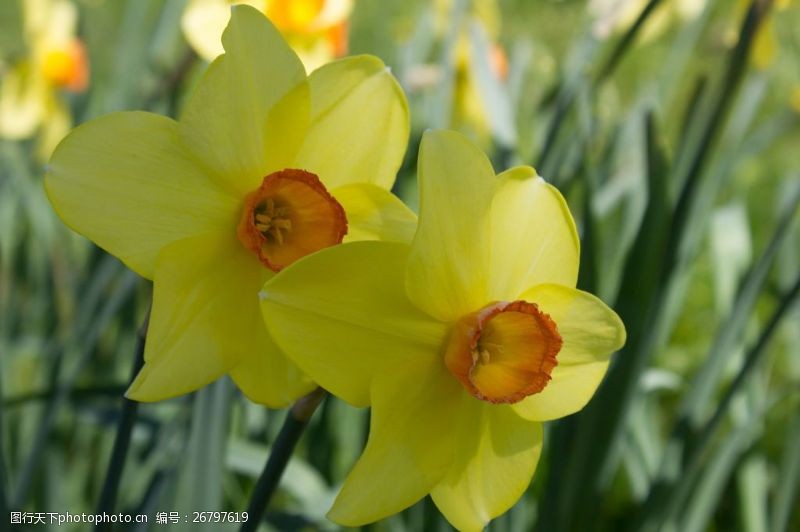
(4, 503)
(108, 495)
(293, 427)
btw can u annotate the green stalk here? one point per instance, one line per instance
(4, 509)
(624, 44)
(293, 426)
(108, 390)
(116, 464)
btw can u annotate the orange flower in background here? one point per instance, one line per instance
(31, 90)
(316, 29)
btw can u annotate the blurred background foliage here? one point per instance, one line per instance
(672, 127)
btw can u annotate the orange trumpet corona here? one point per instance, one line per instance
(504, 352)
(289, 216)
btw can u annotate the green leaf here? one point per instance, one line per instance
(201, 474)
(788, 482)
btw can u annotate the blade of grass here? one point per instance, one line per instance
(683, 48)
(566, 95)
(3, 495)
(89, 338)
(752, 487)
(130, 67)
(122, 440)
(624, 44)
(109, 390)
(200, 481)
(598, 434)
(703, 384)
(670, 498)
(701, 389)
(689, 117)
(713, 480)
(786, 486)
(293, 426)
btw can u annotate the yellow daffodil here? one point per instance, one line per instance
(462, 342)
(31, 90)
(474, 87)
(265, 165)
(766, 45)
(480, 69)
(316, 29)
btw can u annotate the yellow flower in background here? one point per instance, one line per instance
(462, 342)
(765, 46)
(794, 99)
(264, 166)
(31, 98)
(476, 88)
(470, 109)
(316, 29)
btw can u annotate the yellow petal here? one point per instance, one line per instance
(591, 332)
(534, 240)
(449, 263)
(766, 44)
(333, 12)
(203, 22)
(125, 181)
(341, 314)
(23, 98)
(495, 458)
(60, 22)
(410, 445)
(286, 128)
(264, 374)
(230, 121)
(54, 128)
(359, 124)
(483, 237)
(204, 319)
(374, 213)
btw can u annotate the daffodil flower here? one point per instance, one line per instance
(462, 342)
(30, 92)
(479, 65)
(316, 29)
(265, 165)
